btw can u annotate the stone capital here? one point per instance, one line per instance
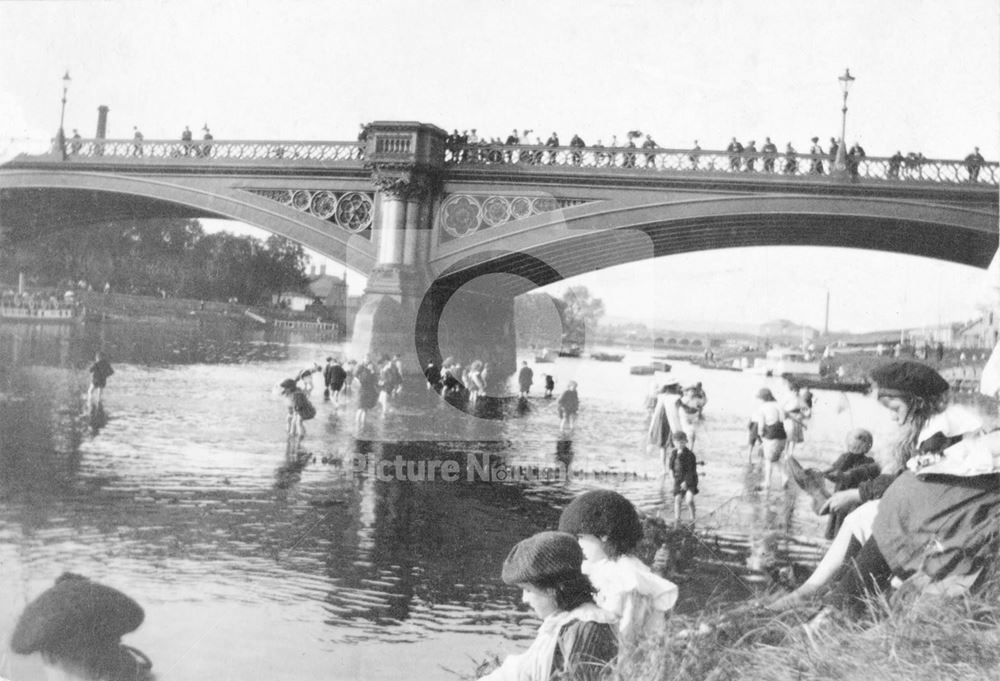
(403, 182)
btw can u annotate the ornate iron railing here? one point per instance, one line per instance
(213, 150)
(901, 169)
(704, 161)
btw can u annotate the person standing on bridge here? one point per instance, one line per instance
(816, 162)
(650, 158)
(834, 146)
(770, 153)
(735, 149)
(206, 148)
(973, 162)
(895, 163)
(136, 141)
(854, 156)
(186, 140)
(552, 141)
(693, 156)
(76, 144)
(791, 160)
(751, 155)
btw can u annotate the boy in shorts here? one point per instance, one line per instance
(684, 467)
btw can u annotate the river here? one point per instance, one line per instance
(253, 562)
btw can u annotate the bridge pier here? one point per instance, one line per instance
(404, 311)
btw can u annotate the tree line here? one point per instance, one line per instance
(173, 257)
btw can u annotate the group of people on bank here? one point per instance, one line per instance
(931, 518)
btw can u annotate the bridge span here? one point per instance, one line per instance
(448, 235)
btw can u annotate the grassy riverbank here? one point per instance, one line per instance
(917, 637)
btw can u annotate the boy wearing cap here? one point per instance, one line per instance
(576, 639)
(685, 469)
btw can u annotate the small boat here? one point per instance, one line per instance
(546, 357)
(715, 366)
(641, 370)
(780, 361)
(660, 365)
(817, 383)
(606, 357)
(571, 351)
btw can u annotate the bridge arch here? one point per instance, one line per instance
(546, 248)
(44, 198)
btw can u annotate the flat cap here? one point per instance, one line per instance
(541, 558)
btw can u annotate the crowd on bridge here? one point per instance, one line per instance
(640, 150)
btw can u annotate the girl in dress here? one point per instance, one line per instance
(608, 527)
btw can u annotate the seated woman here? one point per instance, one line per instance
(940, 526)
(577, 639)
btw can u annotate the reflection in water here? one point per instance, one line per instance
(185, 491)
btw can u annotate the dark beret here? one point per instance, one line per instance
(603, 513)
(73, 608)
(541, 558)
(910, 377)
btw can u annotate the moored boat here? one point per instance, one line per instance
(571, 351)
(641, 370)
(545, 357)
(818, 383)
(606, 357)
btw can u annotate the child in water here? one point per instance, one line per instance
(550, 385)
(685, 469)
(569, 405)
(608, 527)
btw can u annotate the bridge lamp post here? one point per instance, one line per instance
(840, 164)
(62, 117)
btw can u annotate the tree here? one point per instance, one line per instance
(582, 312)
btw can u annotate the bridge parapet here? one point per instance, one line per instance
(812, 167)
(173, 152)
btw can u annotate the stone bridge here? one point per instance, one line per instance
(448, 235)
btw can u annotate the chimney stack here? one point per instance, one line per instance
(102, 122)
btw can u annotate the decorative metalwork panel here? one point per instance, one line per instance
(464, 214)
(352, 211)
(913, 167)
(203, 151)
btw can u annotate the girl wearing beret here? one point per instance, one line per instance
(935, 517)
(77, 627)
(577, 639)
(608, 527)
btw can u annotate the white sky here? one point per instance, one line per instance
(928, 79)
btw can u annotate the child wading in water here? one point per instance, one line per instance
(577, 639)
(685, 469)
(569, 405)
(300, 409)
(608, 527)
